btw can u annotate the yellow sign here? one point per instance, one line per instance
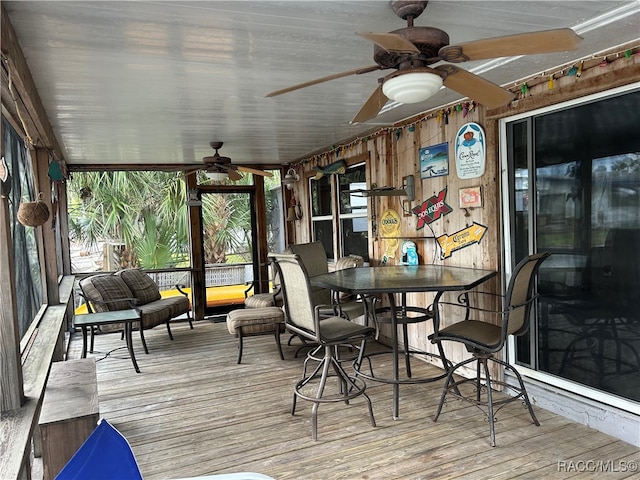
(390, 229)
(463, 238)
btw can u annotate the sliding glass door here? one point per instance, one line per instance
(574, 190)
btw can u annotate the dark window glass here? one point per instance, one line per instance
(26, 259)
(323, 232)
(321, 196)
(585, 169)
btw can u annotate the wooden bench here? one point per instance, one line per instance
(69, 412)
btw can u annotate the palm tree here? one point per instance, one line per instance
(146, 213)
(143, 211)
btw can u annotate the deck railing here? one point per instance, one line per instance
(216, 275)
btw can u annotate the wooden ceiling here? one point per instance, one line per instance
(145, 83)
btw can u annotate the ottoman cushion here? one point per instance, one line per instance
(254, 320)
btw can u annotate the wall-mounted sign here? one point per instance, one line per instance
(434, 160)
(470, 151)
(390, 230)
(432, 209)
(461, 239)
(470, 197)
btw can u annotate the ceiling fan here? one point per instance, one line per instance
(218, 167)
(411, 51)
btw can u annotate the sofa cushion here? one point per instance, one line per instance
(178, 305)
(155, 313)
(107, 288)
(140, 284)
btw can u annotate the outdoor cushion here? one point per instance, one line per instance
(177, 305)
(140, 284)
(107, 288)
(260, 300)
(253, 320)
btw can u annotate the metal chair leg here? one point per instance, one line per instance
(490, 414)
(240, 345)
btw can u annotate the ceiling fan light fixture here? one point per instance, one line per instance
(412, 87)
(217, 176)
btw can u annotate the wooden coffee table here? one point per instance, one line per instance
(93, 320)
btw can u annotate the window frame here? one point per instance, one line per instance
(335, 216)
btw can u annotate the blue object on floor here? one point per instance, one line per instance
(105, 455)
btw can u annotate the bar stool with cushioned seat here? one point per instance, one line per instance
(302, 317)
(483, 340)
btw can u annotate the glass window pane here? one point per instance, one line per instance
(354, 237)
(323, 232)
(321, 196)
(353, 179)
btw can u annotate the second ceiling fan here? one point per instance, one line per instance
(411, 51)
(217, 166)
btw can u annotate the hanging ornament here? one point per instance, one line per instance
(524, 89)
(579, 72)
(550, 83)
(459, 107)
(446, 117)
(572, 71)
(604, 62)
(398, 134)
(412, 128)
(465, 109)
(627, 54)
(5, 179)
(440, 115)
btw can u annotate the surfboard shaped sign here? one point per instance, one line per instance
(471, 151)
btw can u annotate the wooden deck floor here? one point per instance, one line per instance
(193, 411)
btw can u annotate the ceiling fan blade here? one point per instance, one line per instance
(231, 171)
(391, 42)
(372, 106)
(255, 171)
(355, 71)
(546, 41)
(477, 88)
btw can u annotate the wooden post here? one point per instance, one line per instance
(49, 255)
(262, 284)
(198, 287)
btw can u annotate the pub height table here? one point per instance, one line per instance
(392, 280)
(95, 320)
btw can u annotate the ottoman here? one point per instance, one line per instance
(256, 321)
